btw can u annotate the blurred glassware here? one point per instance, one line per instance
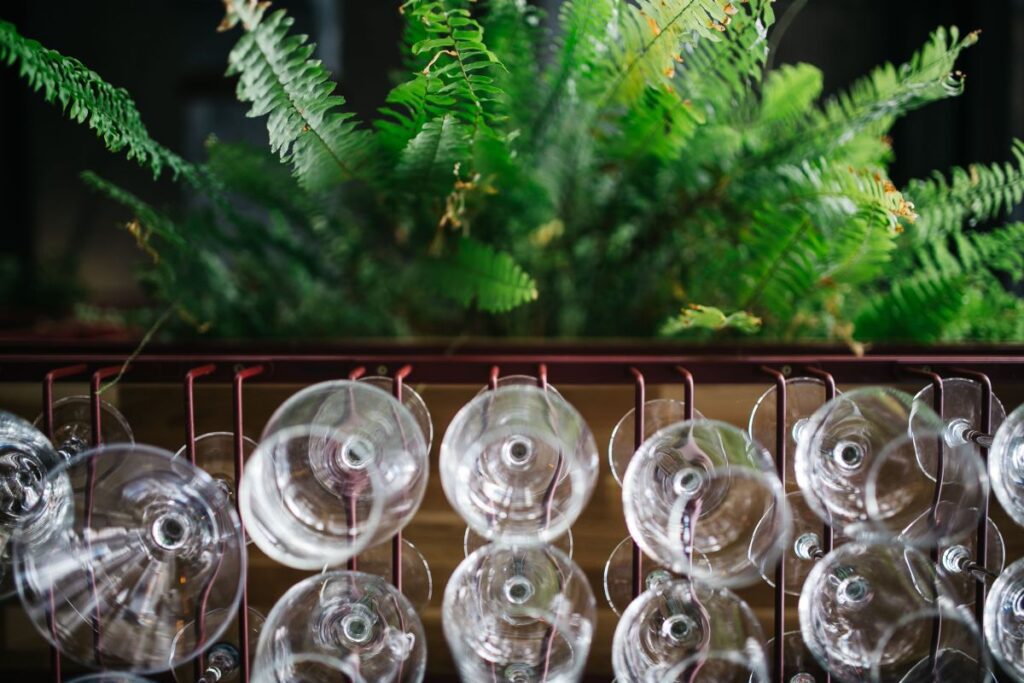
(342, 619)
(681, 630)
(858, 468)
(110, 677)
(215, 454)
(310, 669)
(804, 395)
(1004, 620)
(658, 414)
(704, 486)
(520, 381)
(72, 425)
(853, 597)
(26, 456)
(411, 400)
(799, 665)
(958, 562)
(961, 416)
(472, 541)
(518, 463)
(520, 615)
(134, 555)
(1006, 465)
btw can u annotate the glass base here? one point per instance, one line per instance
(417, 582)
(186, 673)
(618, 574)
(472, 541)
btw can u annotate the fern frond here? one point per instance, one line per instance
(86, 98)
(973, 194)
(306, 123)
(790, 91)
(916, 309)
(478, 272)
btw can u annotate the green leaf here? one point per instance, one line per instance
(477, 271)
(697, 317)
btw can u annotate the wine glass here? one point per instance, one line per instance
(1004, 620)
(349, 617)
(312, 496)
(110, 677)
(704, 486)
(804, 395)
(134, 556)
(808, 544)
(518, 464)
(223, 658)
(858, 469)
(936, 644)
(519, 381)
(304, 668)
(411, 400)
(961, 415)
(417, 581)
(799, 665)
(371, 426)
(518, 614)
(618, 575)
(658, 413)
(72, 425)
(1006, 465)
(748, 666)
(472, 541)
(686, 622)
(855, 594)
(958, 562)
(26, 456)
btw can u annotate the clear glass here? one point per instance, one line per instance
(939, 644)
(518, 381)
(72, 425)
(867, 430)
(110, 677)
(134, 556)
(519, 464)
(1004, 620)
(907, 502)
(348, 617)
(658, 414)
(721, 667)
(411, 400)
(1006, 465)
(519, 615)
(26, 456)
(804, 395)
(807, 544)
(223, 658)
(618, 575)
(417, 581)
(306, 503)
(799, 665)
(371, 426)
(961, 410)
(215, 454)
(683, 622)
(957, 561)
(310, 669)
(472, 541)
(705, 486)
(855, 594)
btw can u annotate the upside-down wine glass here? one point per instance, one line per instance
(961, 417)
(134, 555)
(852, 598)
(1006, 465)
(859, 470)
(518, 463)
(799, 665)
(343, 620)
(1004, 620)
(519, 615)
(704, 486)
(72, 425)
(222, 660)
(688, 631)
(341, 467)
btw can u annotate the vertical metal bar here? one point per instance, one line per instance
(687, 392)
(981, 546)
(779, 652)
(542, 375)
(356, 373)
(90, 465)
(199, 663)
(492, 382)
(353, 562)
(639, 399)
(243, 608)
(830, 393)
(396, 540)
(48, 380)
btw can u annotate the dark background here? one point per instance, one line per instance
(167, 54)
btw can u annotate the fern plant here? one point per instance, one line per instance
(632, 168)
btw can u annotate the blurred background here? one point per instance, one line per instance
(61, 240)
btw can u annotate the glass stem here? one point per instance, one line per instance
(222, 661)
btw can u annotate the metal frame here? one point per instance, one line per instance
(588, 365)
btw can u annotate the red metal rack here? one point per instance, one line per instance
(478, 365)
